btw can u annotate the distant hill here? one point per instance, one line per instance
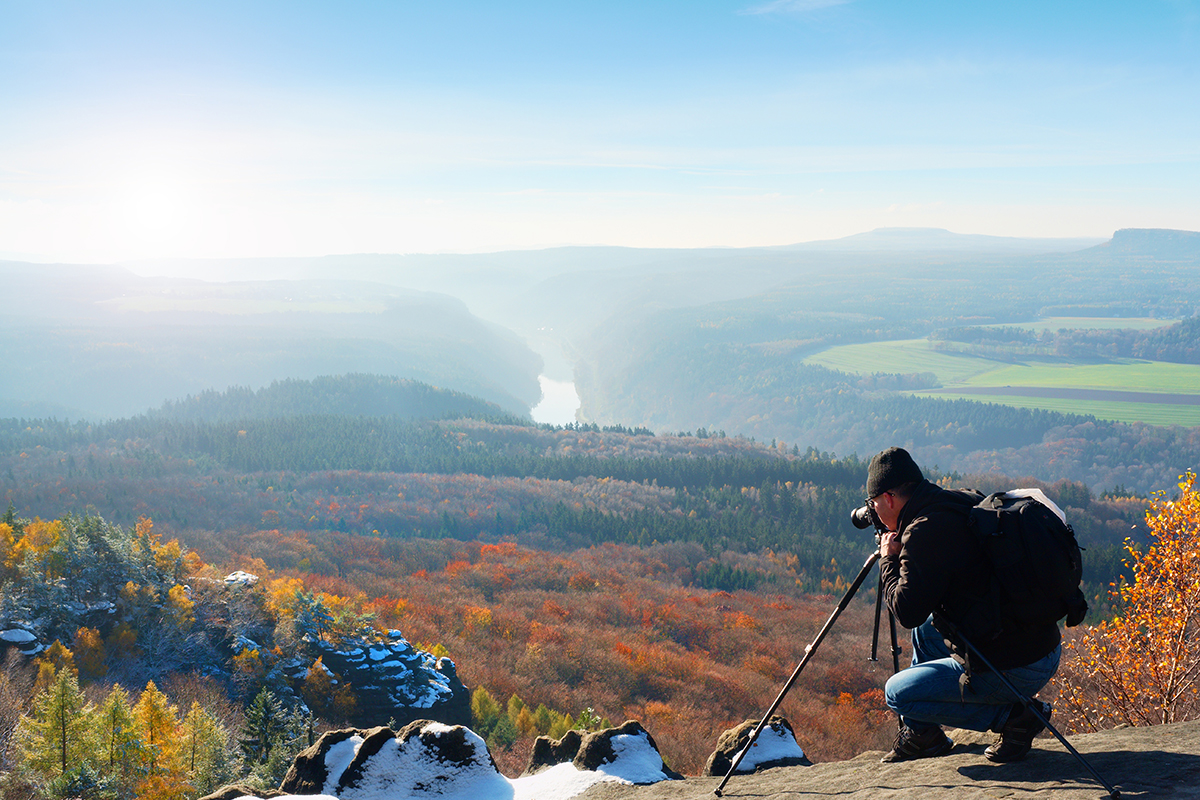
(343, 395)
(96, 342)
(1159, 243)
(940, 239)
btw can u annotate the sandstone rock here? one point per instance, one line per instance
(236, 790)
(309, 773)
(547, 752)
(599, 749)
(776, 747)
(420, 760)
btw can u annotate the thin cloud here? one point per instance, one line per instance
(793, 6)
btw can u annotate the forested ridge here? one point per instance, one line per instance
(469, 479)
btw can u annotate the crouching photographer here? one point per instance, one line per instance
(932, 576)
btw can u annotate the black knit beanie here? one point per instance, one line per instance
(889, 469)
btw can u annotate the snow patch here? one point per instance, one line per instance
(634, 760)
(337, 759)
(404, 771)
(773, 744)
(240, 578)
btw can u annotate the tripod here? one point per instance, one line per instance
(812, 648)
(841, 606)
(1114, 793)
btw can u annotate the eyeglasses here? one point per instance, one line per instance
(871, 500)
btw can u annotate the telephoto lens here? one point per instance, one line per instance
(862, 517)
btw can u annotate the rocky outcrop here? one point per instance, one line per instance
(428, 760)
(416, 761)
(594, 751)
(311, 770)
(236, 790)
(548, 752)
(598, 749)
(394, 683)
(1160, 243)
(776, 746)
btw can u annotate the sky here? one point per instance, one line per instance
(135, 130)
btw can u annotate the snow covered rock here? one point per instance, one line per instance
(23, 640)
(547, 752)
(425, 759)
(776, 746)
(393, 681)
(431, 761)
(322, 765)
(240, 578)
(236, 790)
(628, 753)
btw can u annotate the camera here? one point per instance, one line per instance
(864, 517)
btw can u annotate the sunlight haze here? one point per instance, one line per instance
(135, 130)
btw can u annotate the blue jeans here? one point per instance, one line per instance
(927, 694)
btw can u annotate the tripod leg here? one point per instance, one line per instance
(895, 644)
(808, 652)
(875, 634)
(1037, 712)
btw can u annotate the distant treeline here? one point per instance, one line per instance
(343, 395)
(1178, 343)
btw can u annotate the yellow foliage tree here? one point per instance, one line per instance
(1143, 666)
(57, 736)
(181, 608)
(58, 657)
(90, 653)
(157, 723)
(165, 786)
(8, 541)
(203, 752)
(281, 595)
(122, 752)
(39, 539)
(317, 689)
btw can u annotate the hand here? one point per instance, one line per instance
(889, 544)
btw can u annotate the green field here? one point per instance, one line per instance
(958, 371)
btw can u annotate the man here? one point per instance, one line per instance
(934, 573)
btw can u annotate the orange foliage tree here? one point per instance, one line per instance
(1142, 667)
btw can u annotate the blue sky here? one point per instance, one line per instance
(132, 130)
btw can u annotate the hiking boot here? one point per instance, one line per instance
(912, 744)
(1016, 737)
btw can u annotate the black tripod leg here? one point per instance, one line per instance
(895, 643)
(1037, 712)
(875, 634)
(808, 652)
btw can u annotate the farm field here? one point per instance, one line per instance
(1126, 390)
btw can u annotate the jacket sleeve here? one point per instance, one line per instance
(916, 580)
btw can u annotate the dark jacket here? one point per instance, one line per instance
(941, 570)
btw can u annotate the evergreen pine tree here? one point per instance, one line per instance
(263, 729)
